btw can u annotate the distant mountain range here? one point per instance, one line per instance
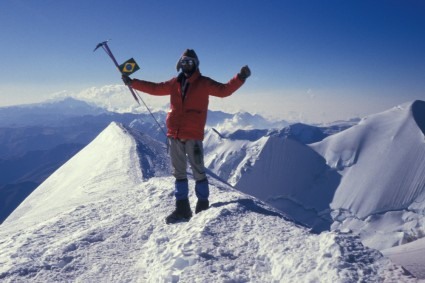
(100, 218)
(36, 139)
(363, 178)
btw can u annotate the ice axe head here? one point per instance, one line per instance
(100, 45)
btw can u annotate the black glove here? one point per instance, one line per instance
(127, 80)
(244, 73)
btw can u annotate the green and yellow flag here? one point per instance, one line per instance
(129, 67)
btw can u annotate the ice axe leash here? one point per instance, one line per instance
(135, 95)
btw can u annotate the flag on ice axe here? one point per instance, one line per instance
(129, 67)
(108, 51)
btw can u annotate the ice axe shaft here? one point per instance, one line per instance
(108, 51)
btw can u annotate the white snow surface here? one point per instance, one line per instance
(410, 256)
(100, 218)
(230, 159)
(382, 163)
(369, 178)
(382, 144)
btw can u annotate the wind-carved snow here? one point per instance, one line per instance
(99, 219)
(230, 159)
(341, 160)
(385, 181)
(369, 178)
(295, 179)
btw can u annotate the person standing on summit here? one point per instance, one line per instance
(189, 96)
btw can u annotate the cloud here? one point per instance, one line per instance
(116, 98)
(310, 93)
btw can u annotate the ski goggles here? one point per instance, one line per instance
(186, 62)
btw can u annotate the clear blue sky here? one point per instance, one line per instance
(310, 59)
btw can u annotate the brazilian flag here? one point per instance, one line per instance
(129, 67)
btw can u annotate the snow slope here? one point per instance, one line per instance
(278, 168)
(382, 144)
(382, 161)
(100, 218)
(410, 255)
(230, 158)
(32, 135)
(86, 165)
(369, 178)
(294, 179)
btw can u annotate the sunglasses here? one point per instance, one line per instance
(187, 62)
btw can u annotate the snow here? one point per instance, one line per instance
(373, 146)
(289, 176)
(100, 218)
(382, 161)
(87, 164)
(410, 256)
(229, 158)
(117, 99)
(369, 178)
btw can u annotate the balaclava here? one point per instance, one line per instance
(188, 54)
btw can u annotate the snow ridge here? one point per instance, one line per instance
(369, 178)
(382, 163)
(98, 218)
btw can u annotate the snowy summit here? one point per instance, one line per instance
(100, 218)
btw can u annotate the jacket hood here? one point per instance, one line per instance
(188, 54)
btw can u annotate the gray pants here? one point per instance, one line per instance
(183, 151)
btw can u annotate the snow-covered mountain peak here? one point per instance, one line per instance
(46, 113)
(369, 178)
(106, 160)
(303, 133)
(100, 218)
(230, 156)
(382, 163)
(398, 124)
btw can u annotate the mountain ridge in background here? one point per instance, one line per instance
(59, 128)
(101, 218)
(326, 178)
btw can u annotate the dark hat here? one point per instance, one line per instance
(188, 54)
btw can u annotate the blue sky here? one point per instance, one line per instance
(310, 60)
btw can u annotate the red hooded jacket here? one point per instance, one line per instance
(187, 117)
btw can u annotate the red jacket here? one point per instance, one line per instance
(187, 117)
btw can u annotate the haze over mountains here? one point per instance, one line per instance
(362, 178)
(37, 139)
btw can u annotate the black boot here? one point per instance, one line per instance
(202, 205)
(182, 213)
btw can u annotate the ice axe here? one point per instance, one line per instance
(108, 51)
